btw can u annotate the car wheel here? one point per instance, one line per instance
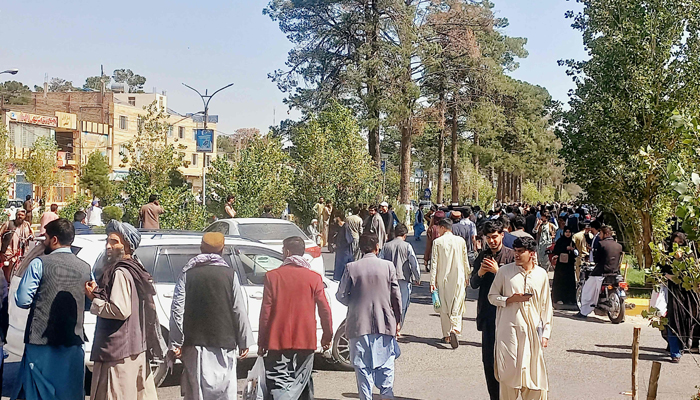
(159, 369)
(341, 349)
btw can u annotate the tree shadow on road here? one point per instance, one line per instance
(571, 315)
(618, 356)
(374, 397)
(434, 342)
(626, 347)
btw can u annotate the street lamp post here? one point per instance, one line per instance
(206, 97)
(12, 71)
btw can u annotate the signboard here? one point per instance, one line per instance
(205, 140)
(384, 166)
(427, 193)
(26, 118)
(67, 121)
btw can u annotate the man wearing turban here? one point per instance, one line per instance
(127, 333)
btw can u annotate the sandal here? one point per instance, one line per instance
(453, 340)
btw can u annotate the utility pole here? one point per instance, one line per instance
(206, 97)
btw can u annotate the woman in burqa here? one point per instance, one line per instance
(683, 312)
(564, 284)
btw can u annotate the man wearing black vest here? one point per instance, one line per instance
(494, 256)
(208, 323)
(52, 290)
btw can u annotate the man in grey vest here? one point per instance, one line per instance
(123, 301)
(52, 290)
(401, 253)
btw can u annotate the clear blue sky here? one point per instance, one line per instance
(212, 43)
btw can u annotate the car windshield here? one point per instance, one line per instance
(269, 231)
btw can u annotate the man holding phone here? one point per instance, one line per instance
(521, 293)
(486, 266)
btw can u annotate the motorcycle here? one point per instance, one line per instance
(613, 293)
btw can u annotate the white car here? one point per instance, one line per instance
(164, 256)
(271, 232)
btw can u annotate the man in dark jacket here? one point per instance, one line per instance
(79, 223)
(608, 254)
(486, 265)
(371, 291)
(293, 293)
(53, 289)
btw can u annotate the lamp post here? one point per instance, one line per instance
(12, 71)
(206, 98)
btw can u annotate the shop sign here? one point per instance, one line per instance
(26, 118)
(67, 120)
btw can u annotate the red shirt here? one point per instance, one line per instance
(288, 314)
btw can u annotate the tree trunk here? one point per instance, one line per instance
(647, 236)
(499, 186)
(454, 173)
(404, 197)
(441, 150)
(372, 101)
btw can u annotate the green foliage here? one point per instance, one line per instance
(111, 212)
(78, 202)
(154, 170)
(95, 82)
(134, 81)
(329, 160)
(95, 176)
(261, 176)
(15, 92)
(39, 167)
(642, 68)
(61, 85)
(5, 161)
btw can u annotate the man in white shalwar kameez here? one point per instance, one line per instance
(523, 324)
(449, 274)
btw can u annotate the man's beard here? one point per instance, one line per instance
(114, 256)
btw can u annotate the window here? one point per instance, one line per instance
(256, 262)
(207, 160)
(194, 159)
(181, 132)
(123, 123)
(194, 134)
(139, 122)
(123, 151)
(173, 258)
(132, 101)
(218, 227)
(170, 131)
(279, 231)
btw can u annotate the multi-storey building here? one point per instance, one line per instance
(84, 122)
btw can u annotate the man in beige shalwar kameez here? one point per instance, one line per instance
(449, 274)
(523, 324)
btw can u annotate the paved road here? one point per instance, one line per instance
(586, 360)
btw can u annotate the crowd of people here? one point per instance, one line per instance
(505, 254)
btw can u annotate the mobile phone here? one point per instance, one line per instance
(528, 295)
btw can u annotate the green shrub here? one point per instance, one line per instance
(77, 203)
(111, 212)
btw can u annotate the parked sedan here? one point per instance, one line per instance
(270, 232)
(164, 256)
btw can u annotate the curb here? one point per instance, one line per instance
(639, 306)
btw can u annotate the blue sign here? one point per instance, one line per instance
(384, 166)
(205, 140)
(427, 193)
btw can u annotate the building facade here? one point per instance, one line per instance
(85, 122)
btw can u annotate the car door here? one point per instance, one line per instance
(169, 262)
(254, 262)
